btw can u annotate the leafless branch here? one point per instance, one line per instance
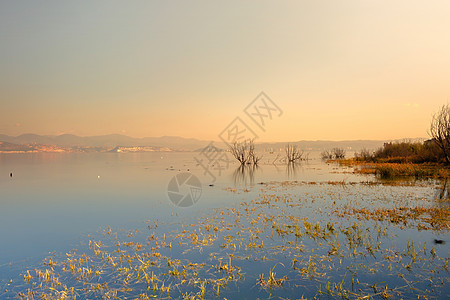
(293, 154)
(244, 152)
(338, 153)
(440, 130)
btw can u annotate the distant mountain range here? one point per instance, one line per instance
(70, 142)
(105, 141)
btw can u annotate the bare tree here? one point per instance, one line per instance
(293, 154)
(244, 152)
(338, 153)
(252, 157)
(239, 151)
(326, 155)
(364, 155)
(440, 130)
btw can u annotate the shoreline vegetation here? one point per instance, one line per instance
(428, 159)
(401, 159)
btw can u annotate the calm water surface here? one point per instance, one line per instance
(53, 199)
(55, 202)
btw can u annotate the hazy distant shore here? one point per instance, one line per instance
(32, 143)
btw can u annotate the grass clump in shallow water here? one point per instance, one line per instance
(386, 170)
(271, 281)
(231, 249)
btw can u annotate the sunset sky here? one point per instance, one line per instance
(338, 69)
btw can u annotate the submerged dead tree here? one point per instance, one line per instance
(440, 131)
(252, 157)
(293, 154)
(326, 154)
(339, 153)
(335, 153)
(244, 152)
(239, 151)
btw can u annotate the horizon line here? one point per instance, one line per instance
(209, 140)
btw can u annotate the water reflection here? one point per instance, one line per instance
(48, 203)
(442, 192)
(291, 170)
(245, 175)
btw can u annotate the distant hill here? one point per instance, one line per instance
(106, 141)
(111, 141)
(6, 147)
(9, 147)
(356, 145)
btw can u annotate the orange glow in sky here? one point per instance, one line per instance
(339, 70)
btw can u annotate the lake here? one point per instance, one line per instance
(95, 225)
